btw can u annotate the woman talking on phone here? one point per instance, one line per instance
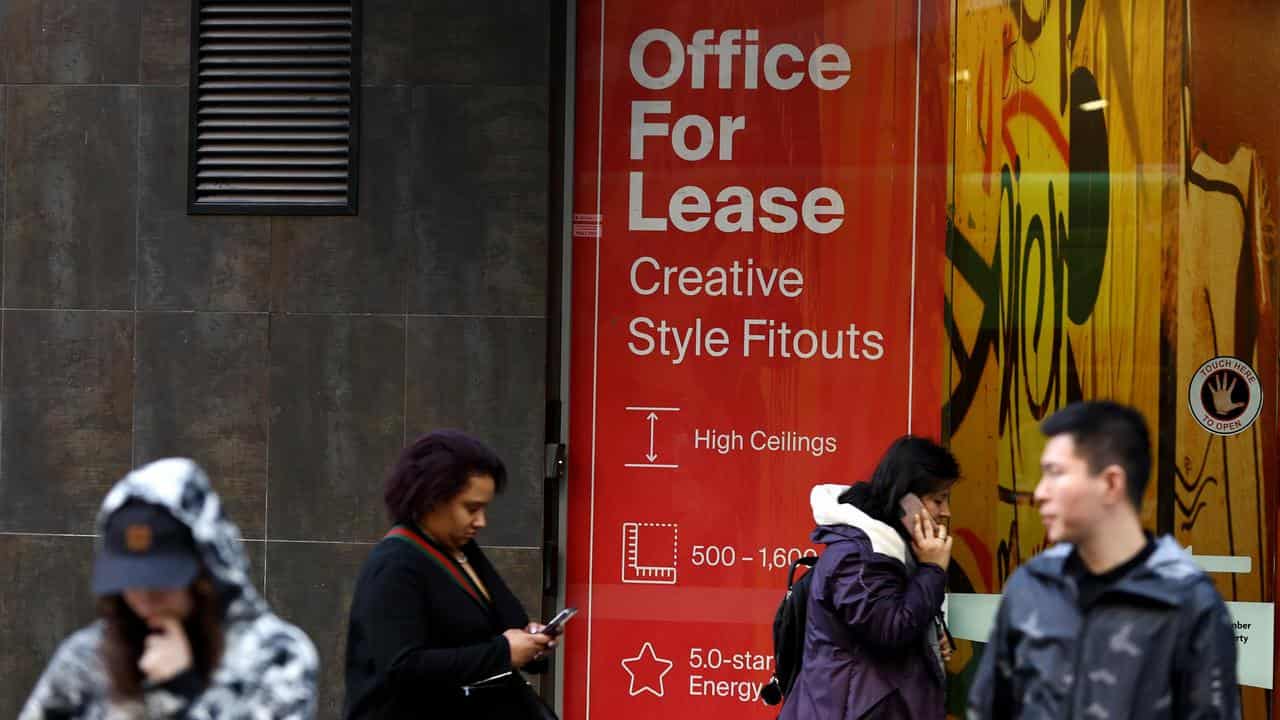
(434, 631)
(874, 642)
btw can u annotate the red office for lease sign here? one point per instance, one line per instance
(758, 238)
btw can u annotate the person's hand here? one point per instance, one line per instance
(944, 646)
(930, 540)
(540, 629)
(167, 653)
(1221, 392)
(525, 646)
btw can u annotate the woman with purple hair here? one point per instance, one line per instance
(433, 627)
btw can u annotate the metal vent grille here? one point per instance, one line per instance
(274, 107)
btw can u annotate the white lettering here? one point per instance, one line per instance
(751, 61)
(873, 341)
(675, 61)
(728, 48)
(771, 60)
(774, 202)
(828, 67)
(689, 207)
(680, 138)
(638, 328)
(635, 284)
(640, 129)
(832, 205)
(737, 279)
(819, 66)
(728, 126)
(743, 209)
(778, 339)
(698, 52)
(635, 207)
(676, 342)
(686, 200)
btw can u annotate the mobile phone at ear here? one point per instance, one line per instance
(911, 506)
(556, 626)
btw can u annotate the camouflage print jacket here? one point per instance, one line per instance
(1157, 644)
(268, 667)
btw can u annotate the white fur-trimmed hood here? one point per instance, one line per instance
(828, 510)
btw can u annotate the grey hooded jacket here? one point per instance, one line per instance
(1157, 644)
(268, 668)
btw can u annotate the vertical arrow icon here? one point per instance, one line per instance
(653, 419)
(651, 413)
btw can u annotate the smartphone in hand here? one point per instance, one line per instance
(556, 625)
(911, 506)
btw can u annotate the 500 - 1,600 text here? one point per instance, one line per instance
(769, 558)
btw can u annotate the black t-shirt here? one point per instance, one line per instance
(1091, 586)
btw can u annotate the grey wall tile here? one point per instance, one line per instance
(4, 173)
(337, 423)
(69, 225)
(310, 585)
(355, 263)
(44, 594)
(481, 219)
(191, 262)
(486, 376)
(68, 390)
(388, 43)
(202, 393)
(166, 42)
(503, 42)
(482, 41)
(521, 570)
(257, 552)
(65, 41)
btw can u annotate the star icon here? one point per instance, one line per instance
(647, 670)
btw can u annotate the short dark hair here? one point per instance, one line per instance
(910, 465)
(1107, 433)
(436, 467)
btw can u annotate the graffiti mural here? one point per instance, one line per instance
(1100, 246)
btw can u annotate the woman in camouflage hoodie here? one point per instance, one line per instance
(182, 633)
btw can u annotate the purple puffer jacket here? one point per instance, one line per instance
(866, 651)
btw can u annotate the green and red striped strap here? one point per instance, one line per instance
(404, 534)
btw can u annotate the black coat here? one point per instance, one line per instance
(419, 632)
(1156, 644)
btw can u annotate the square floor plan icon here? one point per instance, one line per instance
(649, 553)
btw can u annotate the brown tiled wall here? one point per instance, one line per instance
(291, 356)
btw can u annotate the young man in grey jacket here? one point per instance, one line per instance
(1109, 623)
